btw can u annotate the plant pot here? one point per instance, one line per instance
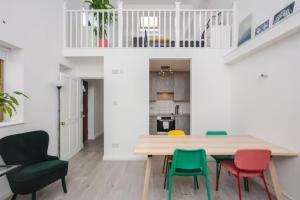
(102, 44)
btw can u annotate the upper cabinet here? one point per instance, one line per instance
(181, 86)
(153, 86)
(178, 84)
(165, 83)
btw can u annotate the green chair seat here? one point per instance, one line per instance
(188, 172)
(40, 169)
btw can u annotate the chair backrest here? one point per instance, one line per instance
(176, 132)
(25, 148)
(189, 159)
(252, 159)
(216, 133)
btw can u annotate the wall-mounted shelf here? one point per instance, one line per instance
(276, 33)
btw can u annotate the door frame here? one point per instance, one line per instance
(191, 85)
(86, 79)
(79, 143)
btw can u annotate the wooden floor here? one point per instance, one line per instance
(94, 179)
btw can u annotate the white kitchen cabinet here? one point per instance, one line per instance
(165, 83)
(182, 122)
(153, 125)
(153, 86)
(182, 86)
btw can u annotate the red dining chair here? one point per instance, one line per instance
(248, 163)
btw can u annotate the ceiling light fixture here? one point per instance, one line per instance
(164, 70)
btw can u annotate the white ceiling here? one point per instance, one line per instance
(175, 64)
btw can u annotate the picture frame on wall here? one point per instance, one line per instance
(245, 30)
(262, 28)
(285, 12)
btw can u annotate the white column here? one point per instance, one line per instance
(64, 8)
(234, 26)
(120, 24)
(177, 24)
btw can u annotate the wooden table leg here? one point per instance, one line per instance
(147, 178)
(275, 180)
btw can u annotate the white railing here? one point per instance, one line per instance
(144, 28)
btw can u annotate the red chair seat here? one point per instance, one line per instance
(230, 166)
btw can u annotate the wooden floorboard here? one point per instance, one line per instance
(92, 178)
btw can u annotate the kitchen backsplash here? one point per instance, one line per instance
(167, 107)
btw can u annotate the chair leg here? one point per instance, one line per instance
(166, 175)
(63, 182)
(239, 186)
(170, 187)
(207, 187)
(246, 184)
(197, 182)
(196, 186)
(266, 186)
(34, 196)
(14, 197)
(218, 173)
(164, 166)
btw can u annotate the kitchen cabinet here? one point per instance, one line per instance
(152, 125)
(182, 122)
(182, 86)
(165, 83)
(153, 86)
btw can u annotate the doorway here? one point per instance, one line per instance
(85, 111)
(93, 115)
(169, 95)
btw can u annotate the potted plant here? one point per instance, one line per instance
(104, 19)
(8, 102)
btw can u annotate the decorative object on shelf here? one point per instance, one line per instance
(245, 29)
(59, 84)
(284, 13)
(104, 19)
(262, 28)
(8, 102)
(164, 70)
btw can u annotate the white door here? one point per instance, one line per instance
(70, 117)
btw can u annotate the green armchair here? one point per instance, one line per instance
(37, 169)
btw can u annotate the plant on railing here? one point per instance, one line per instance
(8, 103)
(104, 19)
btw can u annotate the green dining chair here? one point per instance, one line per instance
(188, 163)
(218, 158)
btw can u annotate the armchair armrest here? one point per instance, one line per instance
(49, 157)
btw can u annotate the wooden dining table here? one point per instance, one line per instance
(161, 145)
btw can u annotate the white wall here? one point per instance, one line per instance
(95, 107)
(126, 96)
(261, 10)
(220, 4)
(35, 26)
(87, 67)
(268, 107)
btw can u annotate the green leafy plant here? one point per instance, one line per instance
(104, 19)
(8, 102)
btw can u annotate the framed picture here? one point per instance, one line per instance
(245, 29)
(284, 13)
(262, 28)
